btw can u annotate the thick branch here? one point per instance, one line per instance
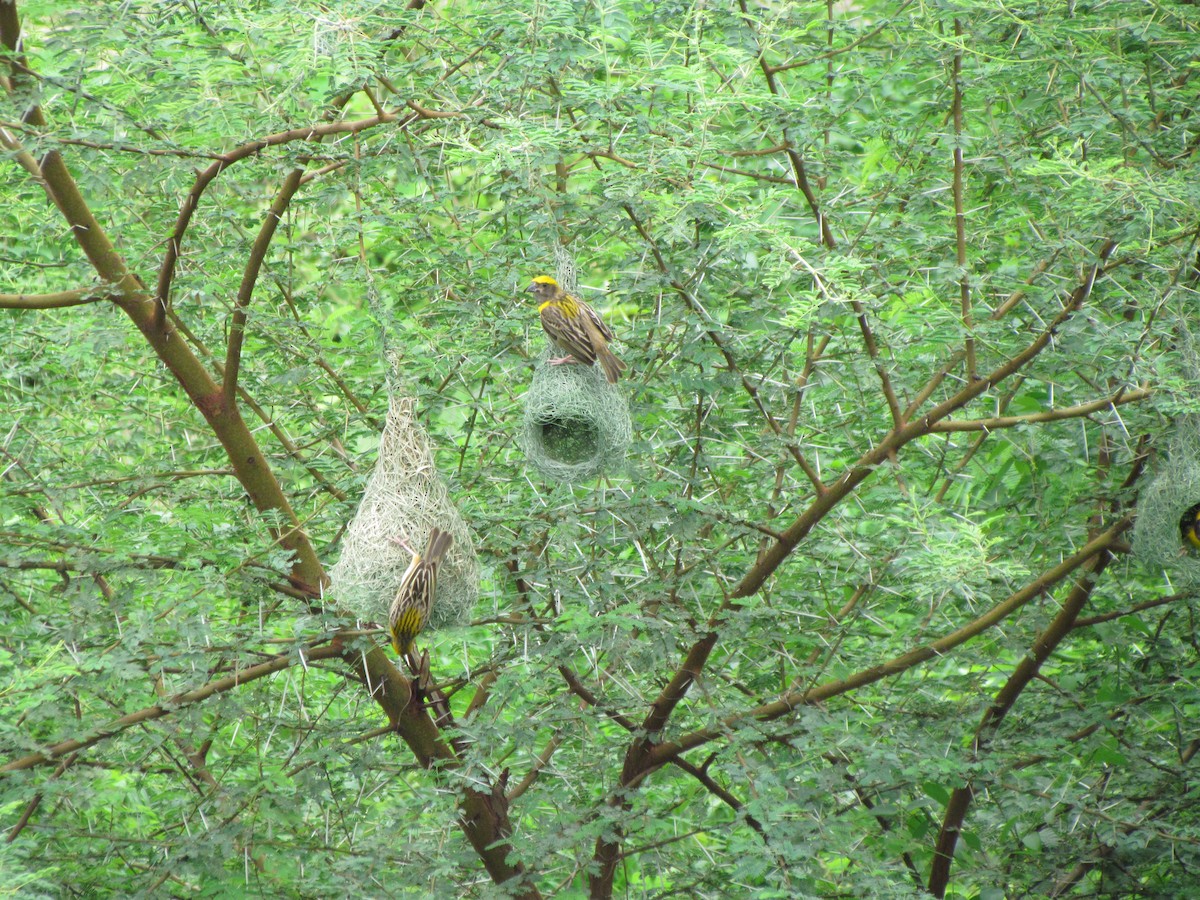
(59, 300)
(483, 814)
(643, 756)
(247, 459)
(23, 157)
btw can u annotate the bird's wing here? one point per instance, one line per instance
(595, 319)
(572, 335)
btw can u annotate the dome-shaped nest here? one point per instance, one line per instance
(576, 423)
(404, 499)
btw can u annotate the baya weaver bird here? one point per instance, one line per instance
(414, 598)
(574, 327)
(1189, 526)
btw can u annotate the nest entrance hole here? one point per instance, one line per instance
(569, 439)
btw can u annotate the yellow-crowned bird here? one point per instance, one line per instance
(574, 327)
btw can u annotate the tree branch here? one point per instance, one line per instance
(539, 764)
(830, 54)
(643, 755)
(774, 556)
(166, 272)
(483, 814)
(114, 146)
(1024, 672)
(1054, 415)
(885, 381)
(258, 253)
(960, 218)
(177, 701)
(719, 342)
(59, 300)
(792, 699)
(1045, 644)
(797, 161)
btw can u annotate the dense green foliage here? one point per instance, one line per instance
(863, 587)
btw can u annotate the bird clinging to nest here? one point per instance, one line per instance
(414, 598)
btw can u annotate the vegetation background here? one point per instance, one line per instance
(905, 290)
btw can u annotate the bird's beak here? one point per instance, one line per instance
(531, 289)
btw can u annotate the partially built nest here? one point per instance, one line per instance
(404, 498)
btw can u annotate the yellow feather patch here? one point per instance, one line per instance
(405, 628)
(1189, 526)
(565, 304)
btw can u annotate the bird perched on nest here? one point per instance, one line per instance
(414, 598)
(574, 327)
(1189, 526)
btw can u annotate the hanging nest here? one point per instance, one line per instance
(576, 423)
(404, 498)
(1174, 491)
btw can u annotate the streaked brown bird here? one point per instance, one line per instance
(574, 327)
(1189, 526)
(414, 598)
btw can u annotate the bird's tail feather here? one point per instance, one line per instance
(612, 366)
(439, 542)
